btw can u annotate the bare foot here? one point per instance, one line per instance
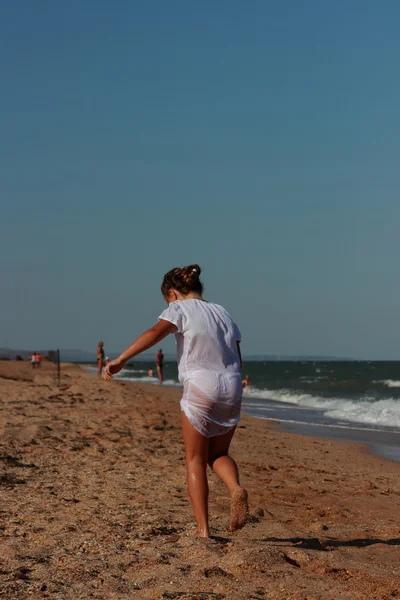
(201, 533)
(239, 509)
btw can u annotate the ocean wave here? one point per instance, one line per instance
(367, 410)
(331, 425)
(129, 374)
(380, 412)
(268, 407)
(392, 383)
(130, 371)
(125, 375)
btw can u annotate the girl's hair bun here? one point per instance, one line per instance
(191, 273)
(185, 280)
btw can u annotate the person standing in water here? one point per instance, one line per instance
(209, 362)
(160, 365)
(100, 357)
(246, 382)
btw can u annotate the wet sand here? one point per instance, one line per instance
(93, 503)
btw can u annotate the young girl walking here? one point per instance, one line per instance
(209, 363)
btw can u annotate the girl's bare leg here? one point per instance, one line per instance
(196, 446)
(99, 367)
(221, 463)
(226, 469)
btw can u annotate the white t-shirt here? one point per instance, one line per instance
(206, 338)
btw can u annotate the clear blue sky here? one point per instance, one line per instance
(259, 139)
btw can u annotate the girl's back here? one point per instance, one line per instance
(207, 337)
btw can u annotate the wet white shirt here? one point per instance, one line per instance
(206, 337)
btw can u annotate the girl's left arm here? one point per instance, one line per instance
(145, 341)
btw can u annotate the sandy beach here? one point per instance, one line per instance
(94, 502)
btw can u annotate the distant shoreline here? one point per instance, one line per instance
(82, 356)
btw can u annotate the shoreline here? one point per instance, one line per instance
(94, 502)
(374, 441)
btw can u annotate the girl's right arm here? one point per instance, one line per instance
(149, 338)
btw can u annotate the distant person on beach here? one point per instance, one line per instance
(107, 360)
(33, 359)
(150, 372)
(209, 362)
(160, 365)
(246, 382)
(38, 359)
(100, 357)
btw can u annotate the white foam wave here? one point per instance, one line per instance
(380, 412)
(331, 425)
(366, 410)
(392, 383)
(268, 407)
(146, 379)
(129, 375)
(92, 369)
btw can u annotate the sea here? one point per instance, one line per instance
(357, 401)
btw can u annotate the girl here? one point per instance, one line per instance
(209, 362)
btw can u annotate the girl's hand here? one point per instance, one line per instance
(112, 368)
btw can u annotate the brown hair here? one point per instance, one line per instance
(184, 281)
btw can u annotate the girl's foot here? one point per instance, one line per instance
(239, 509)
(203, 533)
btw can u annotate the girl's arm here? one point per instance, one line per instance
(145, 341)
